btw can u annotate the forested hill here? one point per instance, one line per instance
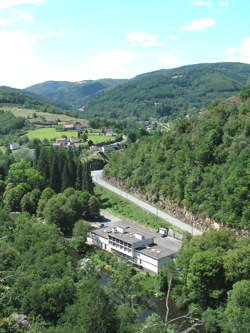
(202, 163)
(73, 94)
(11, 96)
(170, 92)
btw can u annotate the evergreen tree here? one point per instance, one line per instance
(44, 162)
(66, 179)
(79, 171)
(87, 184)
(55, 177)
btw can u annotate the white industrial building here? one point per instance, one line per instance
(136, 244)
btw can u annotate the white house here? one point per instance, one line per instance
(109, 132)
(14, 146)
(133, 244)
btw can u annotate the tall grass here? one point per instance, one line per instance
(128, 209)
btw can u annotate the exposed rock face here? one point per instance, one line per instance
(20, 320)
(199, 221)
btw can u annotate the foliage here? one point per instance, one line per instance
(10, 96)
(238, 307)
(72, 94)
(9, 123)
(170, 92)
(60, 167)
(201, 163)
(64, 209)
(207, 279)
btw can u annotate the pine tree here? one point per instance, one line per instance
(87, 184)
(79, 171)
(55, 177)
(66, 179)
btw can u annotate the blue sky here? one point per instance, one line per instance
(78, 40)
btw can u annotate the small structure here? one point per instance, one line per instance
(109, 132)
(70, 145)
(60, 142)
(14, 146)
(51, 121)
(74, 139)
(78, 127)
(69, 127)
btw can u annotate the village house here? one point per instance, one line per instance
(60, 142)
(78, 127)
(69, 127)
(109, 132)
(14, 146)
(74, 139)
(51, 121)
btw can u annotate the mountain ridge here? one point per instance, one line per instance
(168, 92)
(73, 94)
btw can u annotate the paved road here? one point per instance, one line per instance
(97, 178)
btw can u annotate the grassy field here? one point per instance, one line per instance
(49, 133)
(124, 208)
(28, 113)
(100, 138)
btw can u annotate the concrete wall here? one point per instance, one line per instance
(146, 261)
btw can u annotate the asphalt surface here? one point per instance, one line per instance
(97, 178)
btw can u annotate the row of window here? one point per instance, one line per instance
(121, 247)
(119, 241)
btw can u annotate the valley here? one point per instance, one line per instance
(195, 165)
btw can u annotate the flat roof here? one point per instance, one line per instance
(166, 245)
(128, 236)
(156, 251)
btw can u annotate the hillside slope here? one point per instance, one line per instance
(202, 163)
(170, 92)
(11, 96)
(73, 94)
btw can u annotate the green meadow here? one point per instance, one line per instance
(49, 133)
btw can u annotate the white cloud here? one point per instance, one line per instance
(167, 60)
(201, 3)
(231, 50)
(241, 53)
(172, 37)
(223, 4)
(9, 3)
(20, 66)
(109, 64)
(21, 14)
(199, 24)
(12, 16)
(4, 22)
(245, 46)
(141, 39)
(17, 61)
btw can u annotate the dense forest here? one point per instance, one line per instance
(10, 96)
(49, 276)
(73, 94)
(202, 163)
(44, 288)
(170, 92)
(9, 123)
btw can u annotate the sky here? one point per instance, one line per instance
(77, 40)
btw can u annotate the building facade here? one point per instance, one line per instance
(136, 246)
